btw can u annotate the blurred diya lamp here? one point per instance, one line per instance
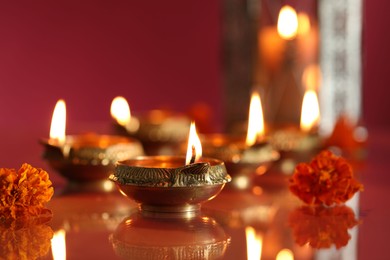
(160, 131)
(142, 237)
(300, 144)
(243, 156)
(172, 183)
(85, 158)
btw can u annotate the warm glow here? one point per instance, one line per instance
(58, 245)
(287, 23)
(310, 115)
(254, 244)
(58, 122)
(311, 77)
(255, 121)
(303, 24)
(285, 254)
(120, 111)
(194, 148)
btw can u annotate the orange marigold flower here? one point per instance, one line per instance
(327, 179)
(25, 192)
(321, 227)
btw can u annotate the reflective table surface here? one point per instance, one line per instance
(261, 219)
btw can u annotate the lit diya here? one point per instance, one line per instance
(160, 131)
(303, 139)
(299, 144)
(243, 155)
(86, 157)
(172, 183)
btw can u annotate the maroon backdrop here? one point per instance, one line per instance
(160, 54)
(376, 71)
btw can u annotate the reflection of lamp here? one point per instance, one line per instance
(162, 237)
(254, 243)
(58, 245)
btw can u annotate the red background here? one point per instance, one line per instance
(165, 54)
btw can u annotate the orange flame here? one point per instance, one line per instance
(310, 114)
(256, 120)
(194, 147)
(120, 110)
(287, 23)
(58, 122)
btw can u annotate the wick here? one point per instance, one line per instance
(192, 154)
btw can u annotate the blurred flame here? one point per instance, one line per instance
(120, 110)
(287, 23)
(254, 244)
(194, 148)
(303, 24)
(58, 245)
(58, 122)
(310, 115)
(311, 77)
(255, 121)
(285, 254)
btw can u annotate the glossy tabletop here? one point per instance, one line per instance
(262, 217)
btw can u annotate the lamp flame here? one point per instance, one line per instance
(58, 122)
(303, 24)
(285, 254)
(310, 114)
(120, 110)
(255, 121)
(287, 23)
(254, 244)
(194, 147)
(58, 245)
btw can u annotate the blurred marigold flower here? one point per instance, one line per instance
(327, 179)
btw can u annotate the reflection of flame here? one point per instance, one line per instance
(58, 122)
(310, 114)
(285, 254)
(194, 148)
(287, 23)
(256, 120)
(303, 24)
(120, 111)
(254, 244)
(58, 246)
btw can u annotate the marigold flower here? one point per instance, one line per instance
(327, 179)
(321, 227)
(23, 193)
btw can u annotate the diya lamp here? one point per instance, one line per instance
(172, 184)
(160, 131)
(148, 237)
(243, 156)
(301, 144)
(85, 158)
